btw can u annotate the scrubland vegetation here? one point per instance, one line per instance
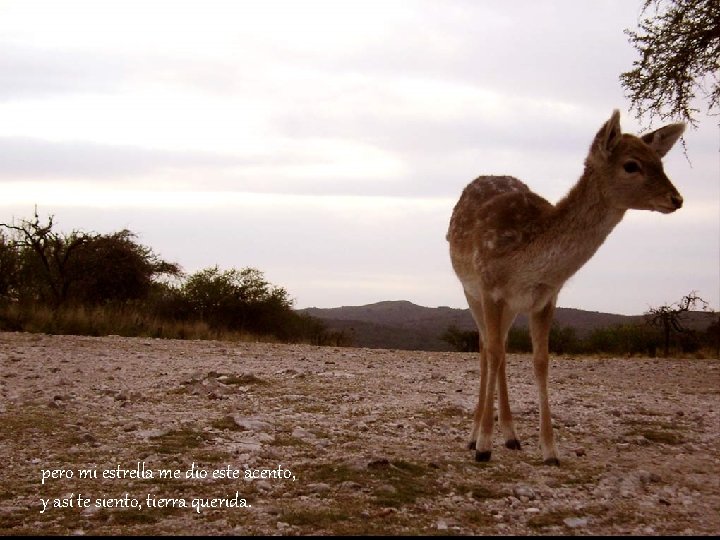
(665, 335)
(101, 284)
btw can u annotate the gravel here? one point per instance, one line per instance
(374, 442)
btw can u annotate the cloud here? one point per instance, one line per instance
(24, 158)
(33, 72)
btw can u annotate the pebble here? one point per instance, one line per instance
(575, 522)
(523, 491)
(251, 423)
(263, 485)
(646, 477)
(300, 433)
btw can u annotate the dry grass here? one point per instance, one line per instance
(105, 321)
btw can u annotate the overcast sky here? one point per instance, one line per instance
(326, 142)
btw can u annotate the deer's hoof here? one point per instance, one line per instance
(483, 456)
(552, 461)
(513, 444)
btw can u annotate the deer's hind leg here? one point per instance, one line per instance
(486, 392)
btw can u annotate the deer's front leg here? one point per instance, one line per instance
(484, 424)
(540, 329)
(477, 417)
(504, 413)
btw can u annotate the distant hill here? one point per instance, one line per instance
(404, 325)
(395, 325)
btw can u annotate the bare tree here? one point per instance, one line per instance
(679, 48)
(669, 317)
(52, 256)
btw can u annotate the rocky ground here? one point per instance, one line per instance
(374, 439)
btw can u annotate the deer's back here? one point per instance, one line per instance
(496, 215)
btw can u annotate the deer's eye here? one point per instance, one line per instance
(631, 167)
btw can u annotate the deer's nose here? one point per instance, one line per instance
(676, 200)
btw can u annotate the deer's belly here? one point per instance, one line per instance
(519, 298)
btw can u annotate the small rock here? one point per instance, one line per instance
(281, 525)
(580, 452)
(151, 433)
(442, 525)
(646, 477)
(251, 423)
(575, 522)
(532, 510)
(523, 491)
(263, 485)
(300, 433)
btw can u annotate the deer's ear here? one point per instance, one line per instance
(608, 137)
(662, 140)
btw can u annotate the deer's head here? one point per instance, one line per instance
(630, 170)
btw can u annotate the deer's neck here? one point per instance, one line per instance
(581, 222)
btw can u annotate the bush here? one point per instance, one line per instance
(234, 299)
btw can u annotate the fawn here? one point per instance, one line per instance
(512, 251)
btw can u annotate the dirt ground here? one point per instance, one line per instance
(344, 441)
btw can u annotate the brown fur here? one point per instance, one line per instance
(512, 251)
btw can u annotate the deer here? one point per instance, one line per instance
(513, 251)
